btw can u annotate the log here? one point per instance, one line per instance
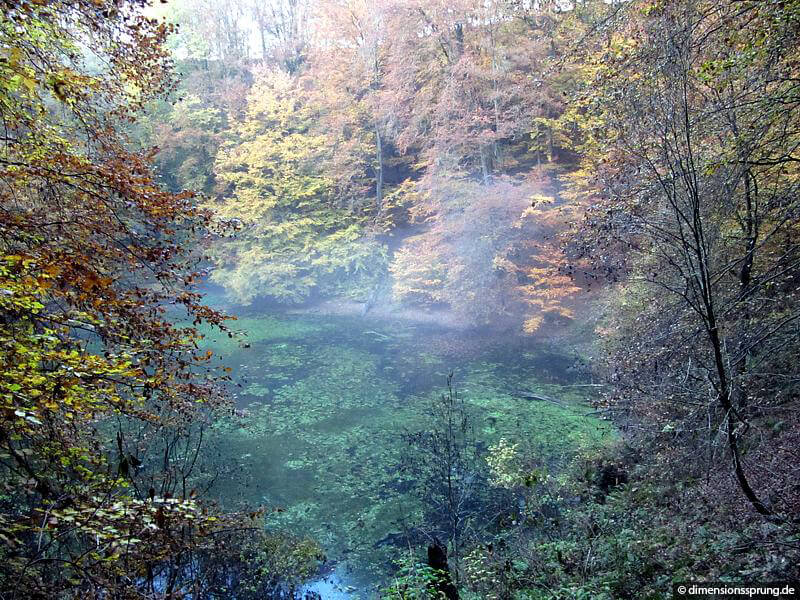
(525, 394)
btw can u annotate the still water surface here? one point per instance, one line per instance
(327, 399)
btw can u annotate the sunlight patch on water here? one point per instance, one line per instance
(331, 587)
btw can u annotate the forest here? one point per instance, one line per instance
(398, 299)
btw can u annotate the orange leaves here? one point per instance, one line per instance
(93, 280)
(532, 324)
(94, 253)
(550, 286)
(204, 357)
(488, 254)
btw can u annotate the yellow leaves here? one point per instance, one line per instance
(16, 259)
(18, 76)
(505, 465)
(532, 324)
(28, 82)
(15, 56)
(419, 272)
(43, 377)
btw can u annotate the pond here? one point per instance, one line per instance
(326, 401)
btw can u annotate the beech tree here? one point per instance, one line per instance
(294, 236)
(104, 396)
(487, 254)
(476, 85)
(346, 69)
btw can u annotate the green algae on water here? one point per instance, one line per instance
(326, 402)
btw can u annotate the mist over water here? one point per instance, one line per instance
(325, 400)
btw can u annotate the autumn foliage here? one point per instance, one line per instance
(103, 395)
(627, 165)
(372, 163)
(496, 160)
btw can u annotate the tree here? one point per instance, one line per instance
(474, 86)
(211, 32)
(699, 198)
(283, 28)
(446, 463)
(95, 261)
(295, 238)
(491, 254)
(346, 65)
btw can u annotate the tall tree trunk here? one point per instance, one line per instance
(459, 36)
(678, 145)
(495, 105)
(702, 274)
(261, 30)
(699, 265)
(379, 168)
(484, 164)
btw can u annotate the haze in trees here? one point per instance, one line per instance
(515, 288)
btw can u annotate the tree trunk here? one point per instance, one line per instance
(459, 35)
(484, 164)
(437, 560)
(263, 42)
(731, 429)
(704, 281)
(379, 168)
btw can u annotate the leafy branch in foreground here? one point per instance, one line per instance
(697, 208)
(99, 389)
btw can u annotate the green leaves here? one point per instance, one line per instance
(295, 238)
